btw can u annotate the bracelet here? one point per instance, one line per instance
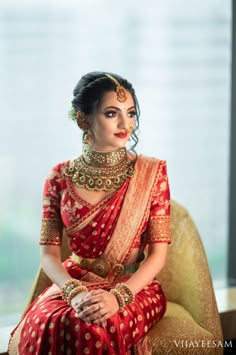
(123, 295)
(75, 292)
(118, 298)
(125, 292)
(69, 286)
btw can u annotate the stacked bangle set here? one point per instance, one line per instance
(73, 287)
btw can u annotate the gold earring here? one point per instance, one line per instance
(82, 121)
(130, 129)
(88, 139)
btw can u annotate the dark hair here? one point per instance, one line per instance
(90, 90)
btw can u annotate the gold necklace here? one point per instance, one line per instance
(95, 170)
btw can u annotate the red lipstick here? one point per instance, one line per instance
(121, 134)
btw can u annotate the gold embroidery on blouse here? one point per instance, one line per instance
(51, 232)
(159, 229)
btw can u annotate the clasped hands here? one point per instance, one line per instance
(95, 306)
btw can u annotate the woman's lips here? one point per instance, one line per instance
(121, 134)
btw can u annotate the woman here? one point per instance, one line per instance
(113, 204)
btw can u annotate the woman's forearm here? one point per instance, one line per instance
(148, 269)
(52, 265)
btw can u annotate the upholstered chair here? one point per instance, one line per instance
(191, 324)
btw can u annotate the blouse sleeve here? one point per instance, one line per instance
(158, 229)
(51, 227)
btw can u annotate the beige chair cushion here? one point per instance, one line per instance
(178, 333)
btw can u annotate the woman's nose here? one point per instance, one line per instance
(123, 121)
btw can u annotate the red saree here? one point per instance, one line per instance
(134, 216)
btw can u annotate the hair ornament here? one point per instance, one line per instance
(82, 120)
(120, 91)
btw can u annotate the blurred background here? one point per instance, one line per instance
(177, 54)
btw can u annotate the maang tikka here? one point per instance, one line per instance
(120, 90)
(82, 118)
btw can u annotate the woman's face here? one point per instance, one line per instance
(113, 122)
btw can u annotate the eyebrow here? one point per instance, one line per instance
(117, 108)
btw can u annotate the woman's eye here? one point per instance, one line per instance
(132, 114)
(110, 114)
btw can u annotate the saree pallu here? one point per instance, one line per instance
(51, 326)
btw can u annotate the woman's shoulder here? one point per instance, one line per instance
(59, 168)
(158, 162)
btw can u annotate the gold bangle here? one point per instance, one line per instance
(125, 293)
(75, 292)
(68, 287)
(119, 298)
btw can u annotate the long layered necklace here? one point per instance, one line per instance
(95, 170)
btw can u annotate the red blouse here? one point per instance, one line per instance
(63, 208)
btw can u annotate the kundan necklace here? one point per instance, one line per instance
(95, 170)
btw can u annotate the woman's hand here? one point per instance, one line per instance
(98, 306)
(77, 299)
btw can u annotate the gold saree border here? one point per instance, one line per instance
(135, 210)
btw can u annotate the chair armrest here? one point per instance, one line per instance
(186, 279)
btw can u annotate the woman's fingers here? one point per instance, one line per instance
(95, 296)
(89, 301)
(102, 321)
(93, 312)
(91, 309)
(98, 307)
(97, 315)
(97, 292)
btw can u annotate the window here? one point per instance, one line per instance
(177, 55)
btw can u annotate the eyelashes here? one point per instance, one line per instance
(111, 114)
(132, 114)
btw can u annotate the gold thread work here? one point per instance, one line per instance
(159, 229)
(51, 232)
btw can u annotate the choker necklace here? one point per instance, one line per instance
(95, 170)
